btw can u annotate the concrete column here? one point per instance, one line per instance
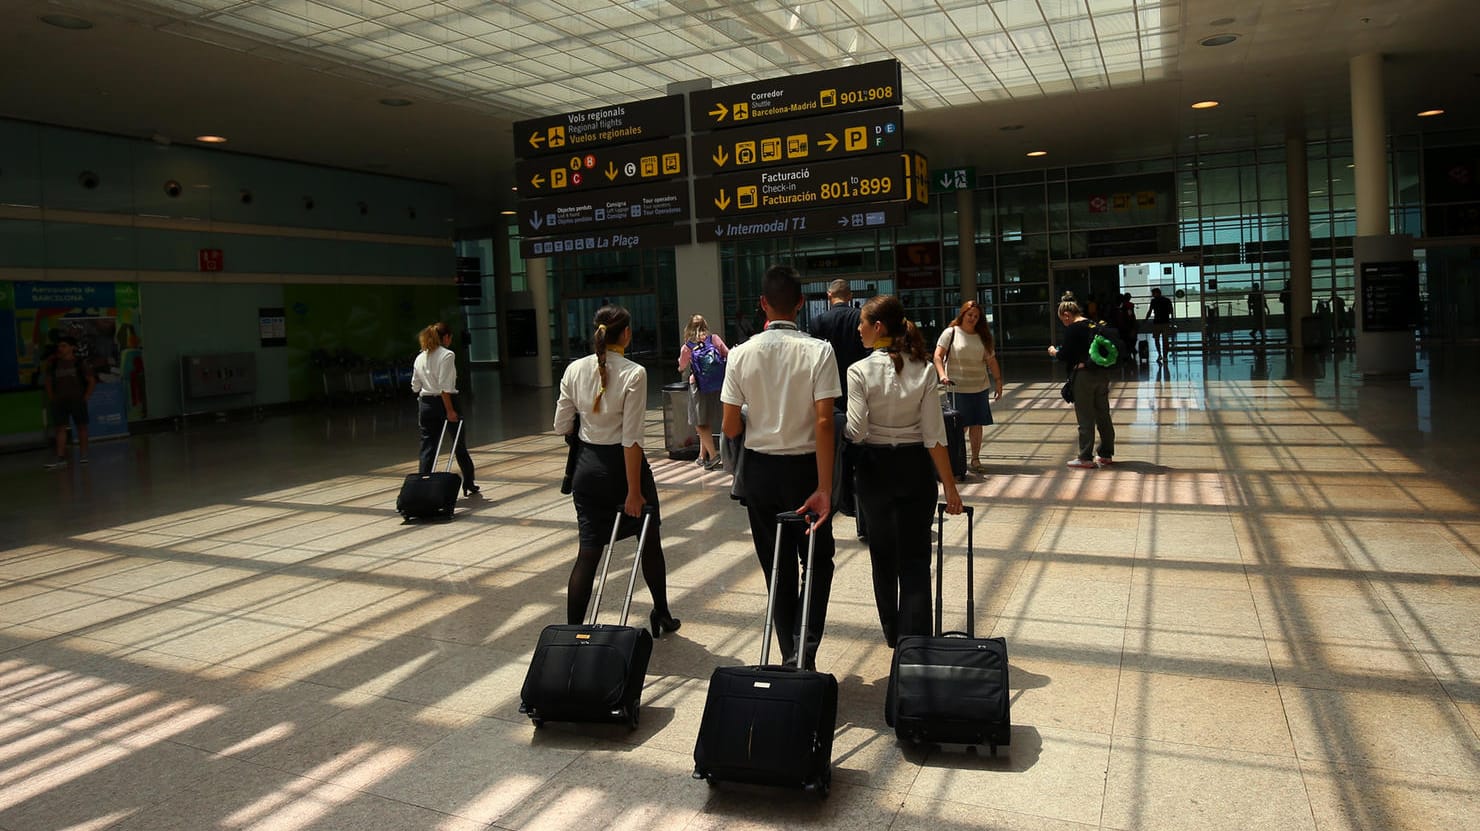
(1369, 145)
(699, 284)
(1297, 199)
(1378, 353)
(539, 288)
(966, 241)
(502, 285)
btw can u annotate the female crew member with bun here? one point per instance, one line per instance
(434, 380)
(611, 477)
(894, 414)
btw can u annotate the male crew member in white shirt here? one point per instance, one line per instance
(787, 380)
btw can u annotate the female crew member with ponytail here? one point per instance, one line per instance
(894, 413)
(612, 477)
(434, 380)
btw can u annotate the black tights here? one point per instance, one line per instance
(583, 577)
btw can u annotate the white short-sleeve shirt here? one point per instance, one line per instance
(781, 374)
(892, 408)
(434, 372)
(966, 359)
(622, 407)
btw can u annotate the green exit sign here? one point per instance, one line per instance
(952, 178)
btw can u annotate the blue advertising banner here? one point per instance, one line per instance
(103, 320)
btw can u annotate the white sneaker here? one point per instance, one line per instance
(1082, 464)
(59, 463)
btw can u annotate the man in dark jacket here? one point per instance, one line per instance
(839, 327)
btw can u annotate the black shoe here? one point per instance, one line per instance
(471, 489)
(663, 623)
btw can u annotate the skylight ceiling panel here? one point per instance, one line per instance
(1103, 7)
(1016, 14)
(709, 66)
(931, 26)
(608, 15)
(974, 20)
(893, 35)
(996, 46)
(468, 25)
(402, 41)
(1059, 11)
(1073, 34)
(631, 51)
(1034, 43)
(270, 20)
(745, 61)
(193, 7)
(261, 32)
(596, 58)
(323, 15)
(411, 60)
(663, 73)
(1111, 25)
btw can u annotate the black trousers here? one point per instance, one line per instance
(897, 492)
(430, 416)
(774, 484)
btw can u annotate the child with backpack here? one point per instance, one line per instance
(702, 360)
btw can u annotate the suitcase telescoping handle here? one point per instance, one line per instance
(455, 437)
(606, 564)
(950, 387)
(940, 561)
(782, 519)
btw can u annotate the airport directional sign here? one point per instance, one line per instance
(881, 178)
(602, 210)
(839, 219)
(833, 136)
(858, 87)
(952, 179)
(604, 167)
(599, 127)
(650, 236)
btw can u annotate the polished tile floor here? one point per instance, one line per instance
(1264, 617)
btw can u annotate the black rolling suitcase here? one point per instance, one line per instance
(770, 725)
(950, 688)
(432, 494)
(591, 671)
(955, 436)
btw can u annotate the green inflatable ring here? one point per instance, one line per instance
(1102, 351)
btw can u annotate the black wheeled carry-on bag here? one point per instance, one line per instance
(425, 495)
(591, 671)
(950, 688)
(955, 435)
(771, 725)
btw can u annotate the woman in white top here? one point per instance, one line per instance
(609, 395)
(434, 380)
(963, 356)
(894, 414)
(705, 410)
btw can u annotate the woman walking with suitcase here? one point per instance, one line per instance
(603, 398)
(894, 414)
(964, 355)
(434, 380)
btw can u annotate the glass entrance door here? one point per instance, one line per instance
(1098, 286)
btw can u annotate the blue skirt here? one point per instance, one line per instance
(975, 408)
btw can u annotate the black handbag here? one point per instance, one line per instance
(1068, 391)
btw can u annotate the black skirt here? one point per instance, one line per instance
(599, 489)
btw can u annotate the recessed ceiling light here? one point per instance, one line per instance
(1204, 105)
(1351, 165)
(1036, 153)
(396, 102)
(500, 213)
(1218, 40)
(1429, 113)
(1010, 128)
(515, 188)
(211, 139)
(66, 21)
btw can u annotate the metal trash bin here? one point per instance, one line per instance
(679, 436)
